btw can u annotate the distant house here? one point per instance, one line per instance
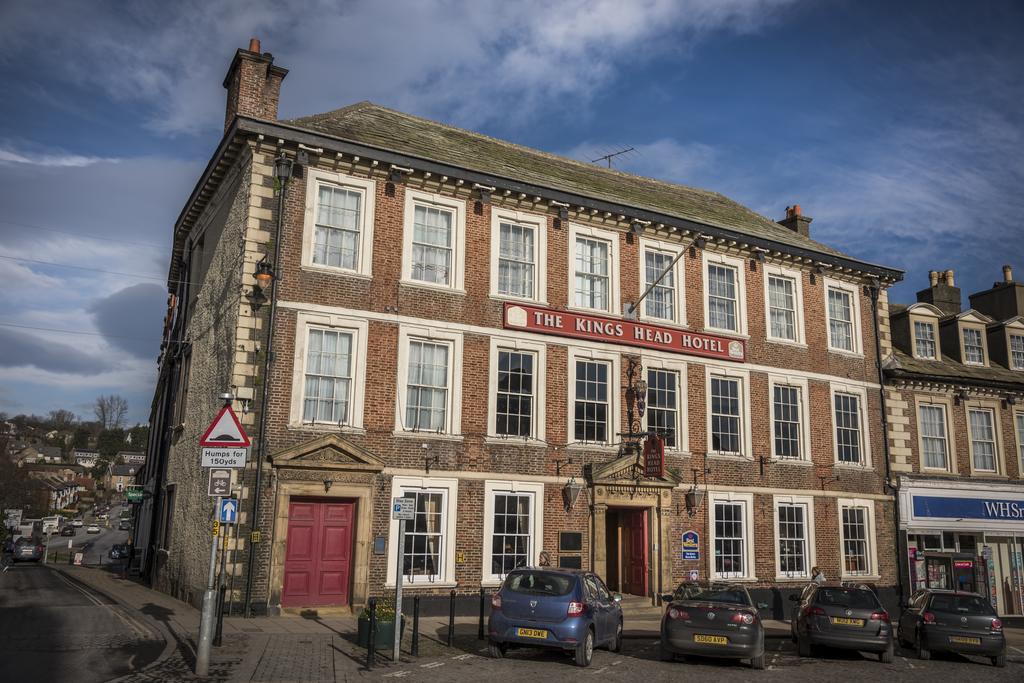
(64, 471)
(131, 457)
(37, 454)
(85, 458)
(58, 493)
(119, 477)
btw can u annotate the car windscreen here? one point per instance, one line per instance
(854, 598)
(540, 583)
(728, 594)
(961, 604)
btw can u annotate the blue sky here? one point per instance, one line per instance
(897, 126)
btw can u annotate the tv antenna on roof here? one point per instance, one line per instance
(608, 157)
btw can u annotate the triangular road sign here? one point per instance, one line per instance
(225, 431)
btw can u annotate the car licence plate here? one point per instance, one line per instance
(710, 640)
(531, 633)
(843, 621)
(964, 640)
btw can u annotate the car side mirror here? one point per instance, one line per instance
(762, 605)
(667, 597)
(617, 597)
(794, 598)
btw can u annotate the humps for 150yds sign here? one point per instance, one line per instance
(225, 443)
(691, 545)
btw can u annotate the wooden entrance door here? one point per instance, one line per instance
(635, 581)
(318, 554)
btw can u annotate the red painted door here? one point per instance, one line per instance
(636, 571)
(318, 554)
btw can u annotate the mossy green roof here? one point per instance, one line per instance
(376, 126)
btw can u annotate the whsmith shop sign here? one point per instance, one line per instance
(617, 331)
(968, 508)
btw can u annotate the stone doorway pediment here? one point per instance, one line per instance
(328, 452)
(623, 470)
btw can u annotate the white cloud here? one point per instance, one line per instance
(470, 61)
(9, 156)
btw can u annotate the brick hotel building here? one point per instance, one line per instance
(449, 319)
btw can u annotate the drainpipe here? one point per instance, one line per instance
(267, 360)
(874, 289)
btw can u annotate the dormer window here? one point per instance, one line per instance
(974, 351)
(1017, 351)
(924, 340)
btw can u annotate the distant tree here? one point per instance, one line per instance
(110, 442)
(99, 470)
(140, 437)
(110, 411)
(80, 440)
(62, 419)
(14, 490)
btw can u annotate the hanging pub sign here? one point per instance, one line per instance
(654, 457)
(618, 331)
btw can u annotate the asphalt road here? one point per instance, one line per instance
(96, 547)
(53, 629)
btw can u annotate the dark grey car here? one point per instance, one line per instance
(712, 620)
(952, 621)
(843, 617)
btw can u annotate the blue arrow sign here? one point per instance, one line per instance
(228, 510)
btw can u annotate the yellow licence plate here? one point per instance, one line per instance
(710, 640)
(531, 633)
(847, 622)
(965, 640)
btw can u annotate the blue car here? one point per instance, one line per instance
(571, 610)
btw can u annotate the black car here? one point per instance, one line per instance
(952, 621)
(118, 551)
(68, 531)
(712, 620)
(844, 617)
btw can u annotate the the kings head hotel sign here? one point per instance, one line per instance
(616, 331)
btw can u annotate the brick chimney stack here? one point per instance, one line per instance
(253, 84)
(796, 221)
(942, 292)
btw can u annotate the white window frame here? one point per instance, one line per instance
(359, 330)
(614, 401)
(368, 188)
(857, 331)
(810, 559)
(682, 404)
(862, 412)
(450, 487)
(539, 350)
(612, 238)
(749, 559)
(540, 256)
(1010, 336)
(773, 270)
(1018, 429)
(982, 337)
(736, 264)
(802, 385)
(870, 539)
(453, 417)
(947, 414)
(492, 487)
(993, 408)
(414, 197)
(746, 447)
(931, 324)
(672, 250)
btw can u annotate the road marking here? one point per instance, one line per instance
(909, 663)
(617, 662)
(431, 665)
(397, 674)
(465, 656)
(1017, 649)
(600, 671)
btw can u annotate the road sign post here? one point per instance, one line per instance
(402, 509)
(206, 620)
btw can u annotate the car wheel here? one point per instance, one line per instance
(886, 656)
(999, 661)
(922, 652)
(496, 650)
(757, 662)
(803, 647)
(665, 654)
(616, 645)
(585, 650)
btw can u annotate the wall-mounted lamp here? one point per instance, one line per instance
(960, 396)
(264, 273)
(1009, 400)
(759, 255)
(637, 227)
(484, 192)
(571, 493)
(327, 485)
(283, 168)
(700, 242)
(694, 499)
